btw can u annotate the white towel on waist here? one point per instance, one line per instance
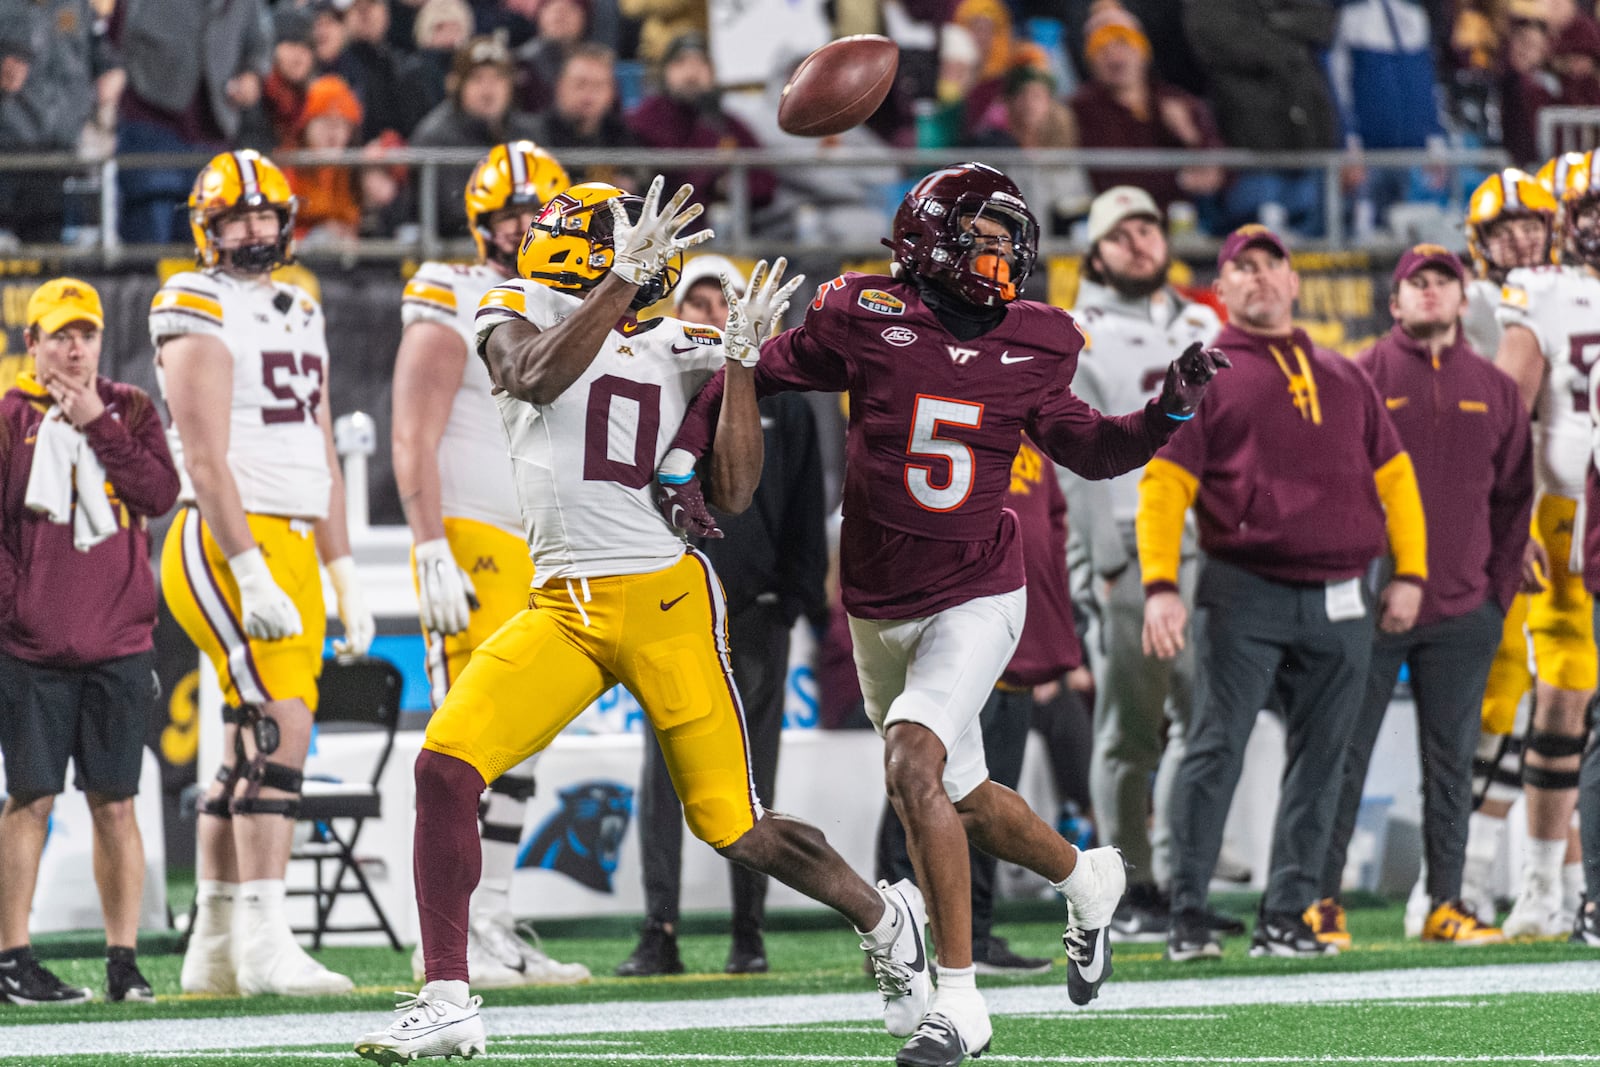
(64, 462)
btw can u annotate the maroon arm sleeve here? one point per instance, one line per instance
(1511, 504)
(136, 458)
(1095, 446)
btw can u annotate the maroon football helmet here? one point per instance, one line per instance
(933, 237)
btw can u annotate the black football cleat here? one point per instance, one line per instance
(936, 1043)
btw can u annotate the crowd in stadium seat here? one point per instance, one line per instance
(96, 76)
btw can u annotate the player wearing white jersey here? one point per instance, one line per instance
(1550, 345)
(243, 365)
(1135, 324)
(471, 567)
(592, 397)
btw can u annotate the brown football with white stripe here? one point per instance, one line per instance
(838, 86)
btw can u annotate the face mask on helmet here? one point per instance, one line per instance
(591, 224)
(1583, 231)
(967, 232)
(255, 257)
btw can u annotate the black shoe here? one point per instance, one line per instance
(1226, 925)
(935, 1043)
(1144, 914)
(992, 955)
(1191, 938)
(24, 982)
(1286, 934)
(124, 984)
(748, 954)
(656, 953)
(1586, 931)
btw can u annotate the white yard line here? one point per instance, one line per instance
(279, 1033)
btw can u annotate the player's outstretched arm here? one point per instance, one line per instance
(536, 366)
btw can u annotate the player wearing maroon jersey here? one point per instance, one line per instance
(945, 368)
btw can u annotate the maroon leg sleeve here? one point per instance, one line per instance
(447, 859)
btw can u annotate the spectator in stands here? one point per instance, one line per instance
(1035, 118)
(191, 69)
(335, 199)
(662, 22)
(381, 74)
(514, 19)
(1463, 422)
(1575, 57)
(772, 559)
(989, 24)
(1123, 106)
(1047, 650)
(583, 114)
(442, 27)
(1527, 86)
(688, 113)
(563, 25)
(83, 465)
(330, 38)
(51, 66)
(477, 114)
(1280, 604)
(1383, 79)
(294, 64)
(1269, 92)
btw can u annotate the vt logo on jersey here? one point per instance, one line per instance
(582, 839)
(961, 356)
(899, 336)
(876, 300)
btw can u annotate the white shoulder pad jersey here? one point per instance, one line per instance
(1124, 362)
(474, 469)
(1479, 322)
(275, 334)
(585, 464)
(1561, 306)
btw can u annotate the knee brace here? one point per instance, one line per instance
(218, 806)
(1551, 746)
(258, 772)
(514, 786)
(1496, 769)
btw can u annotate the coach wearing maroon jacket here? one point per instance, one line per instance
(1296, 474)
(83, 464)
(1461, 420)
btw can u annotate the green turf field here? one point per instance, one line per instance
(1385, 1002)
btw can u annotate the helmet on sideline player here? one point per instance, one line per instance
(516, 174)
(234, 182)
(1571, 180)
(568, 247)
(933, 237)
(1505, 195)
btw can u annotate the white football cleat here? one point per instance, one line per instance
(1419, 905)
(1089, 911)
(486, 967)
(208, 966)
(1537, 913)
(271, 961)
(901, 965)
(427, 1027)
(539, 965)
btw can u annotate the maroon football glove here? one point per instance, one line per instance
(683, 505)
(1187, 378)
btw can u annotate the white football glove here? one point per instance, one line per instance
(359, 625)
(269, 613)
(444, 589)
(754, 317)
(641, 250)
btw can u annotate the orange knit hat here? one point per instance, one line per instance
(329, 95)
(1109, 21)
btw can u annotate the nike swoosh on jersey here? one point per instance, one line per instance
(1097, 962)
(667, 605)
(686, 348)
(1007, 357)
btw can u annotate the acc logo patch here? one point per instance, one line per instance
(703, 335)
(899, 336)
(876, 300)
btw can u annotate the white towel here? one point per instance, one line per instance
(62, 462)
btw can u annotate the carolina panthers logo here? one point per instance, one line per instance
(582, 839)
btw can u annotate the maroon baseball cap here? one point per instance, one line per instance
(1251, 235)
(1419, 256)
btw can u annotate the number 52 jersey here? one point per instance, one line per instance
(275, 334)
(584, 465)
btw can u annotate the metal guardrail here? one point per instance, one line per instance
(737, 236)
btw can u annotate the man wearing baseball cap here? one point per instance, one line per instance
(773, 559)
(1135, 323)
(83, 464)
(1463, 423)
(1299, 481)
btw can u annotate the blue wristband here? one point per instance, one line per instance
(1179, 418)
(674, 479)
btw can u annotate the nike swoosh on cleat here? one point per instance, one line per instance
(1097, 963)
(667, 605)
(921, 962)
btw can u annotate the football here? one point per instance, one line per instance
(838, 86)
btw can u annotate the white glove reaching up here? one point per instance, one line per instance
(359, 625)
(754, 317)
(269, 613)
(641, 250)
(444, 589)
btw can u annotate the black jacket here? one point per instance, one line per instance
(1269, 89)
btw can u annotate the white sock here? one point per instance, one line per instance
(261, 909)
(1076, 882)
(1571, 886)
(449, 992)
(957, 977)
(1546, 858)
(888, 926)
(215, 913)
